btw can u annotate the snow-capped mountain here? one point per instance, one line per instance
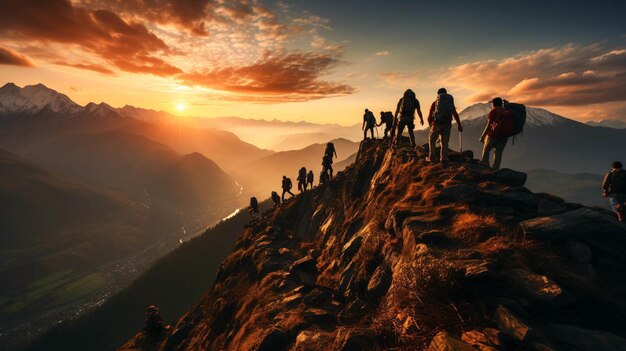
(534, 116)
(33, 99)
(609, 123)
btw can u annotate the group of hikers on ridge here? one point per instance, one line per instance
(305, 180)
(504, 121)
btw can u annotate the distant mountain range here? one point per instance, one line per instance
(265, 174)
(609, 123)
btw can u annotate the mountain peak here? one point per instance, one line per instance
(394, 242)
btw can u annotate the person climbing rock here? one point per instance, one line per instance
(327, 164)
(440, 117)
(254, 207)
(324, 176)
(369, 122)
(286, 186)
(154, 325)
(388, 120)
(492, 137)
(614, 186)
(309, 179)
(302, 179)
(275, 199)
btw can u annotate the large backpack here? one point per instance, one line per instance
(444, 109)
(618, 182)
(517, 114)
(327, 161)
(408, 103)
(302, 173)
(387, 117)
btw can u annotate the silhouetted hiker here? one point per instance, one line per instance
(327, 163)
(286, 186)
(387, 119)
(407, 105)
(614, 186)
(493, 136)
(330, 150)
(254, 207)
(302, 179)
(440, 117)
(324, 176)
(154, 322)
(275, 199)
(369, 122)
(309, 179)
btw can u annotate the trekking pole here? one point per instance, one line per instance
(377, 136)
(461, 141)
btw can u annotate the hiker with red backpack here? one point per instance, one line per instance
(406, 107)
(369, 122)
(614, 186)
(503, 121)
(440, 117)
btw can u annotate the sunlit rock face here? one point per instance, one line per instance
(396, 252)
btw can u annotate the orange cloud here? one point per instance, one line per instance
(10, 57)
(129, 46)
(275, 78)
(570, 75)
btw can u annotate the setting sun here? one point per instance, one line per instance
(180, 107)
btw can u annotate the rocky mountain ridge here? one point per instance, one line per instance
(397, 253)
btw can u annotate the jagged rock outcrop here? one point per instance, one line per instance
(399, 253)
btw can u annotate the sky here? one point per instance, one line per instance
(322, 61)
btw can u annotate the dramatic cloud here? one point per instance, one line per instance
(10, 57)
(129, 46)
(383, 53)
(570, 75)
(282, 77)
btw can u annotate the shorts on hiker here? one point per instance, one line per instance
(616, 200)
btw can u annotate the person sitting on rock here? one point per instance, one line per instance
(369, 122)
(254, 207)
(286, 186)
(154, 322)
(275, 199)
(614, 186)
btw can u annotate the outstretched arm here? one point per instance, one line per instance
(457, 119)
(419, 113)
(606, 184)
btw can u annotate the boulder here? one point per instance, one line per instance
(319, 317)
(445, 342)
(538, 288)
(512, 325)
(576, 338)
(579, 252)
(508, 177)
(275, 340)
(352, 311)
(600, 231)
(351, 248)
(311, 341)
(316, 297)
(355, 339)
(479, 340)
(546, 207)
(380, 281)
